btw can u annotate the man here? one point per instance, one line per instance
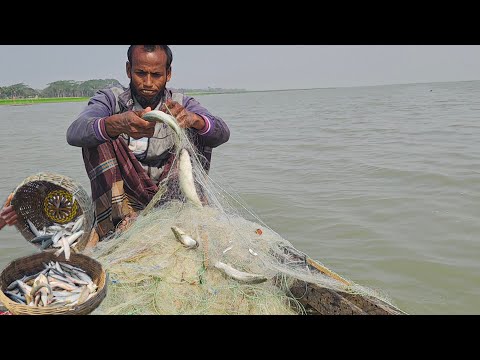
(125, 156)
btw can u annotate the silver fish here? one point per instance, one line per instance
(185, 178)
(34, 230)
(78, 224)
(185, 239)
(160, 116)
(240, 275)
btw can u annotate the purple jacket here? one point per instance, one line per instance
(88, 129)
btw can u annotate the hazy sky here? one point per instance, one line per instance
(251, 67)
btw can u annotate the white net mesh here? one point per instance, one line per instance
(240, 265)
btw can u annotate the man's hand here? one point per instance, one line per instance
(185, 118)
(130, 123)
(8, 216)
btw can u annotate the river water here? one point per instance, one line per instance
(378, 183)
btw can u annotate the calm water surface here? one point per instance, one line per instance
(381, 184)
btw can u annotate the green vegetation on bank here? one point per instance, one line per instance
(57, 89)
(33, 101)
(41, 100)
(77, 91)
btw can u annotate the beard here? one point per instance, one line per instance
(146, 102)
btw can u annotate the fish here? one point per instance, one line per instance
(160, 116)
(40, 239)
(78, 224)
(55, 228)
(185, 178)
(58, 235)
(227, 249)
(66, 248)
(58, 284)
(53, 235)
(71, 239)
(34, 229)
(46, 244)
(241, 276)
(185, 239)
(15, 297)
(83, 295)
(64, 243)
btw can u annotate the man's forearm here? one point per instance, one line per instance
(86, 133)
(88, 130)
(199, 122)
(114, 125)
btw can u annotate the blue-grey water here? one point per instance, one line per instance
(381, 184)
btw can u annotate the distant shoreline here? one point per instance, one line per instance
(33, 101)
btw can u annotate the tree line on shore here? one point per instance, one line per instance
(57, 89)
(71, 88)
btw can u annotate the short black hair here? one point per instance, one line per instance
(151, 48)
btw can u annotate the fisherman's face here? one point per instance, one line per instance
(148, 75)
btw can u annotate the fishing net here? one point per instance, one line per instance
(238, 265)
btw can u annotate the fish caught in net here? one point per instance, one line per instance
(198, 249)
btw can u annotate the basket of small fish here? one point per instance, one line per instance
(46, 284)
(55, 213)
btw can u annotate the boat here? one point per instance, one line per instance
(319, 300)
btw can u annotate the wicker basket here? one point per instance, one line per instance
(34, 263)
(32, 200)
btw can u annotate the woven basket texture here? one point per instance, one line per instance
(29, 203)
(32, 264)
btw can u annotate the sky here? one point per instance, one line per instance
(249, 67)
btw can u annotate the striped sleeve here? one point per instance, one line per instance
(207, 127)
(100, 131)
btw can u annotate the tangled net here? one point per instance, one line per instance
(152, 272)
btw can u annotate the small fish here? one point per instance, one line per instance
(66, 248)
(252, 252)
(78, 224)
(185, 239)
(40, 239)
(46, 244)
(34, 230)
(61, 278)
(15, 297)
(71, 267)
(83, 295)
(83, 276)
(55, 228)
(185, 178)
(227, 249)
(240, 275)
(160, 116)
(12, 286)
(58, 235)
(61, 285)
(71, 239)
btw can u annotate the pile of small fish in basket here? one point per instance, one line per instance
(55, 214)
(59, 279)
(58, 283)
(58, 236)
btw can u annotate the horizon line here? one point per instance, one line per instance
(289, 89)
(357, 86)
